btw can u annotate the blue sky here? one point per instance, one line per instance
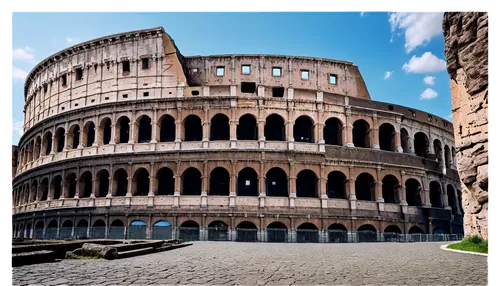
(394, 51)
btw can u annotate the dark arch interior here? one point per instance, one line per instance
(438, 151)
(39, 224)
(144, 129)
(117, 222)
(335, 186)
(421, 143)
(103, 177)
(386, 135)
(360, 134)
(91, 134)
(307, 184)
(367, 227)
(190, 223)
(166, 182)
(124, 125)
(405, 141)
(393, 229)
(83, 223)
(303, 130)
(192, 128)
(48, 143)
(247, 128)
(167, 129)
(450, 191)
(415, 229)
(106, 131)
(52, 224)
(86, 185)
(277, 225)
(447, 156)
(274, 130)
(276, 183)
(141, 179)
(121, 182)
(191, 182)
(60, 139)
(67, 223)
(246, 225)
(57, 187)
(76, 137)
(307, 232)
(435, 194)
(364, 187)
(247, 183)
(332, 132)
(413, 188)
(219, 127)
(308, 225)
(390, 185)
(45, 189)
(99, 223)
(219, 182)
(337, 226)
(218, 224)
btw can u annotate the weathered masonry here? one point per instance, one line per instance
(123, 135)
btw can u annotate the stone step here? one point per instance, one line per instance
(33, 257)
(135, 252)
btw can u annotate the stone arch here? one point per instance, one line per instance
(307, 232)
(307, 184)
(447, 156)
(117, 229)
(51, 230)
(367, 233)
(365, 187)
(104, 134)
(98, 229)
(413, 192)
(219, 127)
(337, 233)
(421, 143)
(89, 134)
(332, 132)
(405, 141)
(81, 229)
(167, 128)
(303, 130)
(415, 229)
(247, 128)
(45, 189)
(47, 143)
(390, 189)
(276, 183)
(162, 229)
(218, 231)
(274, 129)
(248, 182)
(189, 231)
(393, 229)
(277, 232)
(85, 185)
(73, 139)
(38, 233)
(37, 147)
(166, 182)
(386, 135)
(120, 183)
(140, 182)
(219, 182)
(123, 129)
(71, 182)
(435, 194)
(438, 151)
(361, 133)
(144, 129)
(60, 139)
(102, 178)
(191, 182)
(246, 231)
(33, 190)
(192, 128)
(56, 187)
(336, 185)
(137, 230)
(28, 230)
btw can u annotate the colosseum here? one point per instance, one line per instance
(124, 137)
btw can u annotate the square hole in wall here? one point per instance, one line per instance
(106, 98)
(145, 63)
(333, 79)
(124, 95)
(277, 71)
(126, 66)
(304, 74)
(248, 87)
(391, 107)
(62, 108)
(108, 64)
(45, 86)
(76, 104)
(278, 91)
(79, 73)
(245, 69)
(92, 100)
(64, 79)
(195, 92)
(145, 94)
(219, 71)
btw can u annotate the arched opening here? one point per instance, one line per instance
(218, 231)
(123, 129)
(274, 130)
(453, 156)
(303, 129)
(38, 234)
(421, 143)
(413, 192)
(20, 231)
(335, 185)
(386, 135)
(365, 187)
(415, 229)
(140, 182)
(438, 231)
(166, 182)
(117, 229)
(367, 233)
(56, 187)
(246, 231)
(51, 231)
(405, 141)
(247, 183)
(438, 151)
(28, 230)
(98, 229)
(85, 185)
(219, 127)
(89, 133)
(247, 128)
(191, 182)
(137, 230)
(120, 186)
(47, 143)
(71, 182)
(105, 131)
(391, 233)
(37, 147)
(33, 190)
(45, 189)
(447, 156)
(277, 232)
(74, 136)
(81, 229)
(162, 230)
(219, 182)
(307, 232)
(167, 129)
(276, 183)
(390, 189)
(60, 139)
(435, 194)
(337, 233)
(307, 184)
(189, 231)
(66, 230)
(192, 128)
(103, 183)
(144, 132)
(452, 200)
(361, 134)
(332, 132)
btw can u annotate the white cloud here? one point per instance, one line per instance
(23, 54)
(362, 14)
(450, 116)
(419, 28)
(72, 40)
(427, 63)
(388, 74)
(429, 80)
(428, 94)
(18, 73)
(17, 130)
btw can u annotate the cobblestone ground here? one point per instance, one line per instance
(231, 263)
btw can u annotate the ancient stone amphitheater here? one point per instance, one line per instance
(126, 137)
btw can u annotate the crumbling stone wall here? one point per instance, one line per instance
(466, 49)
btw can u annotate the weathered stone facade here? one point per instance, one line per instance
(466, 48)
(124, 129)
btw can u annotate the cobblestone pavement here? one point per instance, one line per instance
(232, 263)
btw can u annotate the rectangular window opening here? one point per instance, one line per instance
(145, 94)
(79, 73)
(124, 95)
(245, 69)
(145, 63)
(391, 107)
(333, 79)
(106, 98)
(278, 91)
(45, 88)
(92, 100)
(126, 66)
(248, 87)
(277, 71)
(195, 92)
(64, 79)
(304, 74)
(107, 65)
(220, 71)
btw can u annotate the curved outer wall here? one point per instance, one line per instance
(125, 127)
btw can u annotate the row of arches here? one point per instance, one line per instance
(276, 184)
(107, 132)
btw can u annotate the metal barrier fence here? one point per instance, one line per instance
(337, 236)
(136, 232)
(65, 232)
(161, 232)
(81, 232)
(246, 235)
(218, 234)
(277, 235)
(307, 235)
(98, 232)
(116, 232)
(51, 233)
(189, 233)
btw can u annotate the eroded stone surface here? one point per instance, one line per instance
(226, 263)
(466, 49)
